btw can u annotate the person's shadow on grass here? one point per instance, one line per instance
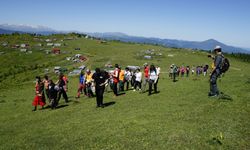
(120, 94)
(58, 107)
(108, 104)
(225, 97)
(154, 93)
(61, 106)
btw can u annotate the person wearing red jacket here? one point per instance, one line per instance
(146, 77)
(116, 79)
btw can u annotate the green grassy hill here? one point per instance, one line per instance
(181, 116)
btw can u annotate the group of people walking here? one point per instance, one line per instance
(53, 91)
(117, 80)
(176, 71)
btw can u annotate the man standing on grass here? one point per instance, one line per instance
(215, 72)
(100, 79)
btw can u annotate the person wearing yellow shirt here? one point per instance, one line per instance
(121, 80)
(89, 80)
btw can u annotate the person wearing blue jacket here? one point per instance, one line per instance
(81, 86)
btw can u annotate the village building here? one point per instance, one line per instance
(102, 42)
(57, 69)
(133, 68)
(68, 58)
(82, 67)
(147, 57)
(69, 38)
(47, 51)
(15, 46)
(79, 58)
(48, 40)
(39, 45)
(23, 50)
(5, 44)
(56, 51)
(50, 44)
(78, 55)
(57, 44)
(24, 45)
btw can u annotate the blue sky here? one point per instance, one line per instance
(225, 20)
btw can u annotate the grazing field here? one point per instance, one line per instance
(180, 116)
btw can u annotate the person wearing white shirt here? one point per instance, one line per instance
(138, 78)
(158, 71)
(127, 77)
(153, 77)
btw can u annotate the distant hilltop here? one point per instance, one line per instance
(199, 45)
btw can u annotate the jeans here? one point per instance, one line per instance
(213, 84)
(151, 83)
(137, 84)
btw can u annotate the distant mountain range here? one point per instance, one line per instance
(11, 28)
(204, 45)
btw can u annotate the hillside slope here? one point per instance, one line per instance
(180, 116)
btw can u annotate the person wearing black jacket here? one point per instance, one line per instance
(61, 84)
(52, 94)
(100, 78)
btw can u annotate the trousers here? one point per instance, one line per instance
(213, 84)
(99, 95)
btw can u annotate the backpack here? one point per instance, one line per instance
(225, 65)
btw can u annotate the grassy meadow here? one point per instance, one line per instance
(180, 116)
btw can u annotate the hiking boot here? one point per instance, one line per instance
(212, 95)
